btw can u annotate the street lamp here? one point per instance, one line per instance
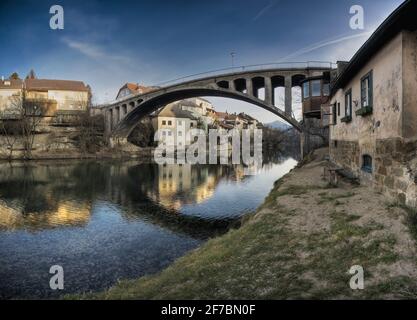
(233, 54)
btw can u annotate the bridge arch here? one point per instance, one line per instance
(240, 85)
(128, 123)
(296, 80)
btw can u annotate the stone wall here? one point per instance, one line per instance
(394, 171)
(346, 154)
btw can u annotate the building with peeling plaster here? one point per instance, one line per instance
(373, 109)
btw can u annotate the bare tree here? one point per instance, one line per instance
(19, 123)
(91, 130)
(91, 127)
(10, 132)
(31, 117)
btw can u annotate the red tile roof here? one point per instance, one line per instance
(137, 88)
(222, 114)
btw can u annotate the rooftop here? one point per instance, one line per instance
(44, 84)
(175, 111)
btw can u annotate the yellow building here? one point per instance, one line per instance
(52, 95)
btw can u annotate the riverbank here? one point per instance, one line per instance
(105, 153)
(300, 244)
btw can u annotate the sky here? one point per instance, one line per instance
(108, 43)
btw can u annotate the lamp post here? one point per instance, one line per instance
(233, 54)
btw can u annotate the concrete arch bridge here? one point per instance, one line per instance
(243, 83)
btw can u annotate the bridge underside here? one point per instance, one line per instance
(125, 127)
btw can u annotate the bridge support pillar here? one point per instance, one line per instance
(288, 95)
(116, 116)
(269, 93)
(108, 121)
(249, 87)
(314, 136)
(232, 85)
(130, 107)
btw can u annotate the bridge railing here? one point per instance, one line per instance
(248, 68)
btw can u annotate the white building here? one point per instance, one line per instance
(173, 125)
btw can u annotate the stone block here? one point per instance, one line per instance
(402, 198)
(389, 182)
(398, 172)
(379, 179)
(382, 170)
(401, 185)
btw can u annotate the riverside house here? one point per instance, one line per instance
(174, 125)
(373, 102)
(53, 97)
(133, 88)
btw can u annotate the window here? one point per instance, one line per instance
(367, 163)
(326, 89)
(169, 133)
(179, 122)
(366, 91)
(348, 103)
(164, 122)
(316, 88)
(170, 123)
(179, 133)
(164, 133)
(306, 90)
(338, 109)
(334, 114)
(191, 124)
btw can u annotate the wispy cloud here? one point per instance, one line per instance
(326, 43)
(94, 51)
(265, 9)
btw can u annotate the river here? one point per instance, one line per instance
(104, 220)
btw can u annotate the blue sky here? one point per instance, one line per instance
(108, 43)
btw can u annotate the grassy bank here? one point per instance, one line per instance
(300, 244)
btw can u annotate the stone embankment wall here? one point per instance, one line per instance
(394, 169)
(62, 142)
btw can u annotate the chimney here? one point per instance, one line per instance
(341, 66)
